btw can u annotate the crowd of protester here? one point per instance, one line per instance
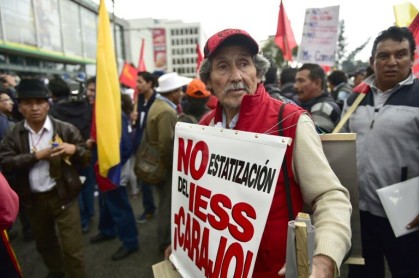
(161, 100)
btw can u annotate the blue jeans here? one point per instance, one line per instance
(148, 199)
(86, 197)
(116, 217)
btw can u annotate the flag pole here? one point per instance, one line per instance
(114, 32)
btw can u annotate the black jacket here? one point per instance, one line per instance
(16, 158)
(325, 112)
(78, 113)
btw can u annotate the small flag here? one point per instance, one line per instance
(128, 76)
(199, 57)
(284, 37)
(404, 13)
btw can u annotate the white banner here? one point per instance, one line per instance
(223, 185)
(320, 33)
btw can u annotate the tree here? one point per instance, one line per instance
(345, 61)
(350, 64)
(341, 47)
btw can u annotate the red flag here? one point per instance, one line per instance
(128, 76)
(362, 88)
(414, 28)
(326, 68)
(284, 37)
(199, 57)
(141, 64)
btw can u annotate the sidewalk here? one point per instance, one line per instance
(98, 256)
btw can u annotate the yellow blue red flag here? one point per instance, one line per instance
(404, 14)
(108, 102)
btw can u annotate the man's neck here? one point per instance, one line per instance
(230, 113)
(37, 126)
(314, 95)
(383, 86)
(148, 94)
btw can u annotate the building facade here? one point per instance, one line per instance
(169, 45)
(53, 36)
(47, 37)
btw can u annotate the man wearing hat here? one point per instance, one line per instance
(234, 71)
(28, 150)
(159, 130)
(194, 102)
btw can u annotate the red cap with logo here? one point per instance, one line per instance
(236, 35)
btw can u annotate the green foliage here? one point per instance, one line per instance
(270, 49)
(345, 61)
(341, 47)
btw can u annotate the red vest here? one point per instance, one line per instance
(259, 113)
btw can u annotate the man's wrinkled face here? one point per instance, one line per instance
(306, 88)
(391, 63)
(233, 75)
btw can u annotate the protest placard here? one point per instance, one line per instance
(318, 43)
(223, 185)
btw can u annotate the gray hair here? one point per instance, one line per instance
(261, 63)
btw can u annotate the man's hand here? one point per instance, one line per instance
(414, 223)
(323, 267)
(64, 149)
(134, 116)
(89, 143)
(167, 252)
(43, 154)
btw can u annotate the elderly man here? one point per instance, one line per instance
(310, 85)
(35, 150)
(233, 71)
(387, 151)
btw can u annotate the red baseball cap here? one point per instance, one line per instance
(238, 35)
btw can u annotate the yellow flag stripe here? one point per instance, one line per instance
(404, 14)
(108, 97)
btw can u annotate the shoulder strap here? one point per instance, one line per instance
(285, 167)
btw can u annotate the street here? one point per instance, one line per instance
(98, 256)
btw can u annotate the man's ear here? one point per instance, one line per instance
(371, 62)
(318, 83)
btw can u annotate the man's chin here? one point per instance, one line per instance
(231, 104)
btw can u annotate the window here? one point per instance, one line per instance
(49, 26)
(89, 30)
(19, 22)
(72, 35)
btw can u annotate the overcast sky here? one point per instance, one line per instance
(363, 18)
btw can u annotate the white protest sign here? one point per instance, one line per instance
(223, 185)
(320, 33)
